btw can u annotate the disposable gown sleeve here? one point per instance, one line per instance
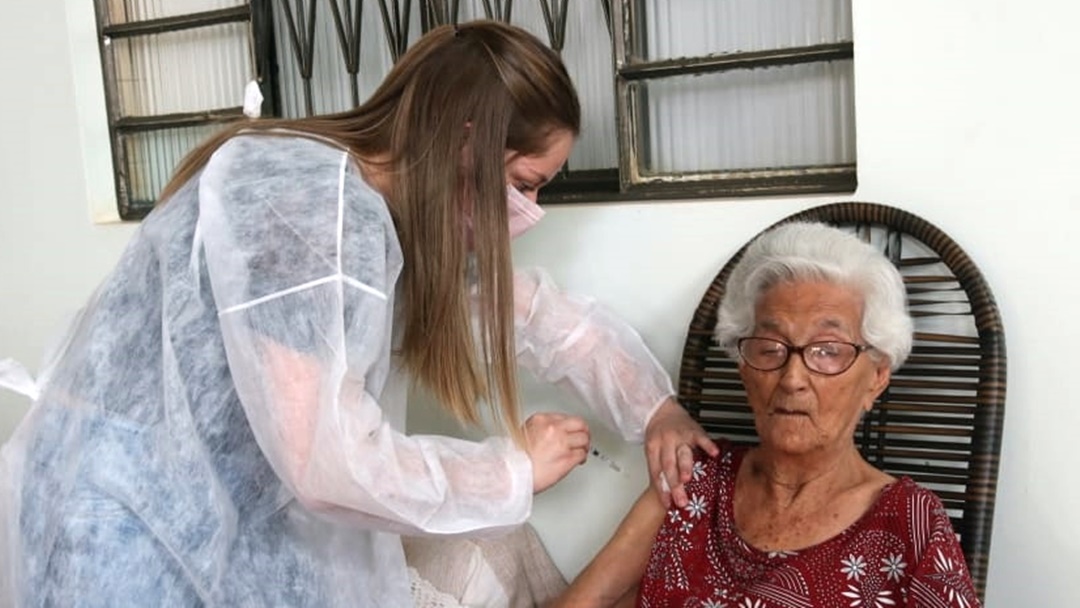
(576, 343)
(302, 259)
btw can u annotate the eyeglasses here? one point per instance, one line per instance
(826, 358)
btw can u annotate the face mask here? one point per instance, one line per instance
(523, 213)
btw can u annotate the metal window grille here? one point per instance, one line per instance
(681, 98)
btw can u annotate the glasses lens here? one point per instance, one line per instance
(763, 354)
(829, 357)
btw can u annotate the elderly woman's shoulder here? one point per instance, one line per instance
(909, 490)
(914, 508)
(728, 450)
(725, 463)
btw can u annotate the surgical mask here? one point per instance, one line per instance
(523, 212)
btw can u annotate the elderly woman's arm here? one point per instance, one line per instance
(612, 577)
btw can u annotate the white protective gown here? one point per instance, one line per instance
(218, 429)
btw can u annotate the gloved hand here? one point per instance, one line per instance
(556, 443)
(670, 439)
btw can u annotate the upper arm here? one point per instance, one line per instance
(941, 577)
(299, 270)
(577, 343)
(302, 259)
(613, 575)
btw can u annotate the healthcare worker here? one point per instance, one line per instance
(224, 423)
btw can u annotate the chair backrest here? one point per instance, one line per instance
(940, 420)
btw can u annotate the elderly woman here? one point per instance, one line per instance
(817, 320)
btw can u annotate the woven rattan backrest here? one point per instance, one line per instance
(940, 419)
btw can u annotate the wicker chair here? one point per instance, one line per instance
(940, 419)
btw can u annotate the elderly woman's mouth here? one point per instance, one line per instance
(780, 411)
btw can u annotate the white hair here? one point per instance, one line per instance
(806, 251)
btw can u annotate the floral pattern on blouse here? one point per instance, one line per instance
(902, 553)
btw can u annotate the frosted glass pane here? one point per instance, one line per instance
(124, 11)
(588, 59)
(184, 71)
(690, 28)
(747, 119)
(152, 155)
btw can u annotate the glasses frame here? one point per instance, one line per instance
(792, 349)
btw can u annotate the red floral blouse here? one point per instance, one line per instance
(902, 552)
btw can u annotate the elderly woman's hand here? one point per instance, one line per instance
(670, 439)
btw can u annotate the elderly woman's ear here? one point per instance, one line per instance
(881, 381)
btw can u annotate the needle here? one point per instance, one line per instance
(608, 461)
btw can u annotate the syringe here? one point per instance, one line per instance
(606, 460)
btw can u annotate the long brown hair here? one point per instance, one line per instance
(439, 125)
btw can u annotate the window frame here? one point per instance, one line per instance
(625, 24)
(255, 12)
(631, 67)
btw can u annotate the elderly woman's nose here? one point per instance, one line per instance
(794, 373)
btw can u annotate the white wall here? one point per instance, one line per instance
(965, 116)
(51, 254)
